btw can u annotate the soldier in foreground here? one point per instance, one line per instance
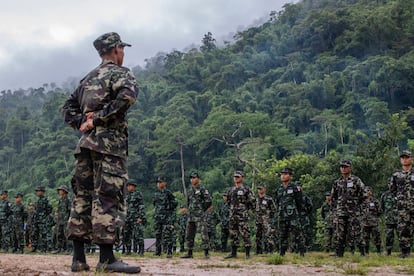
(241, 200)
(264, 214)
(390, 210)
(401, 185)
(98, 109)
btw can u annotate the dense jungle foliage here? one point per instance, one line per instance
(318, 82)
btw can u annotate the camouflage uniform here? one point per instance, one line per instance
(327, 214)
(347, 196)
(402, 186)
(241, 200)
(305, 223)
(389, 207)
(41, 224)
(289, 202)
(264, 214)
(134, 231)
(212, 219)
(224, 214)
(29, 225)
(182, 223)
(101, 154)
(19, 216)
(63, 212)
(371, 214)
(164, 218)
(5, 225)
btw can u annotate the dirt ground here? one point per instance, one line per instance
(48, 265)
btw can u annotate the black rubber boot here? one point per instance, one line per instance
(362, 251)
(169, 252)
(141, 249)
(233, 253)
(389, 251)
(206, 255)
(189, 254)
(247, 249)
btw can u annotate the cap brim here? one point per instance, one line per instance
(125, 44)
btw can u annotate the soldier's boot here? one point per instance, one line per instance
(282, 251)
(302, 252)
(362, 251)
(123, 250)
(340, 252)
(169, 252)
(141, 249)
(352, 250)
(270, 249)
(389, 251)
(247, 249)
(258, 250)
(405, 252)
(233, 253)
(135, 248)
(189, 254)
(158, 251)
(206, 255)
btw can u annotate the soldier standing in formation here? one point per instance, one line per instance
(224, 214)
(289, 202)
(19, 216)
(305, 222)
(265, 211)
(198, 201)
(371, 215)
(402, 186)
(135, 220)
(348, 195)
(63, 212)
(212, 219)
(182, 223)
(241, 200)
(5, 225)
(41, 222)
(390, 210)
(327, 214)
(164, 217)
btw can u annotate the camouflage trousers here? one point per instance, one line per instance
(225, 233)
(5, 235)
(42, 235)
(306, 230)
(98, 208)
(133, 234)
(329, 239)
(181, 239)
(164, 236)
(390, 230)
(405, 227)
(349, 232)
(287, 227)
(61, 241)
(239, 228)
(372, 232)
(212, 236)
(264, 237)
(192, 227)
(18, 235)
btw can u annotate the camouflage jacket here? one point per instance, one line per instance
(42, 210)
(108, 91)
(135, 207)
(265, 209)
(327, 214)
(182, 222)
(389, 207)
(5, 211)
(289, 201)
(241, 199)
(63, 210)
(402, 186)
(30, 219)
(224, 214)
(348, 195)
(19, 214)
(198, 201)
(212, 220)
(371, 212)
(165, 205)
(307, 206)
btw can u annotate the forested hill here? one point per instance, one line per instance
(318, 82)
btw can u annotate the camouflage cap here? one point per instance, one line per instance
(4, 192)
(405, 153)
(194, 175)
(345, 163)
(260, 186)
(161, 179)
(40, 188)
(238, 174)
(107, 41)
(63, 188)
(286, 170)
(132, 181)
(328, 193)
(18, 195)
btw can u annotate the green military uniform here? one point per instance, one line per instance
(264, 214)
(41, 223)
(212, 219)
(5, 222)
(164, 218)
(289, 203)
(305, 222)
(135, 221)
(327, 214)
(19, 216)
(390, 210)
(371, 214)
(224, 214)
(63, 212)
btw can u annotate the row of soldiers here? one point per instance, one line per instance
(37, 226)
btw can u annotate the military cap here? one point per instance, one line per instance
(327, 193)
(63, 188)
(131, 181)
(260, 186)
(405, 153)
(31, 204)
(161, 179)
(345, 163)
(239, 173)
(40, 188)
(107, 41)
(194, 175)
(18, 195)
(4, 192)
(286, 170)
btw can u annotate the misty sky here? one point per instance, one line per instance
(51, 40)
